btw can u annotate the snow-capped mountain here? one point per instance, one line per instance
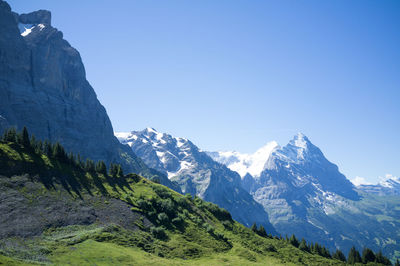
(244, 163)
(390, 185)
(160, 151)
(306, 194)
(196, 173)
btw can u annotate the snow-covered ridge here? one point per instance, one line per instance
(244, 163)
(172, 153)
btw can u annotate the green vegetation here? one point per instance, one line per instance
(166, 229)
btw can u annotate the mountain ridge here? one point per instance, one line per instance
(196, 173)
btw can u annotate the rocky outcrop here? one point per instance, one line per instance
(43, 86)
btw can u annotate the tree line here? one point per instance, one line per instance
(57, 151)
(315, 248)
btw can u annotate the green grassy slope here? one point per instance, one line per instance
(156, 225)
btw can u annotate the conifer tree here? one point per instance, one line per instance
(113, 170)
(303, 245)
(89, 166)
(10, 135)
(325, 252)
(339, 255)
(120, 172)
(254, 228)
(262, 232)
(379, 258)
(59, 152)
(367, 256)
(293, 240)
(101, 168)
(354, 256)
(25, 138)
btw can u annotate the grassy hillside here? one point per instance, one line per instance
(56, 212)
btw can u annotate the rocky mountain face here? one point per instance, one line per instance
(196, 173)
(305, 194)
(43, 86)
(389, 186)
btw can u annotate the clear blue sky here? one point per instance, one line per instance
(233, 75)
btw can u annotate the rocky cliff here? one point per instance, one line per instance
(43, 86)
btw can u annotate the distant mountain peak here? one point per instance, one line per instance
(244, 163)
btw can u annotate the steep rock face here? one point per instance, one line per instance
(298, 182)
(43, 86)
(196, 173)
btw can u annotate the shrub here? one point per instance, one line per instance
(163, 218)
(158, 232)
(178, 222)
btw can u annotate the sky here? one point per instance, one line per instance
(234, 75)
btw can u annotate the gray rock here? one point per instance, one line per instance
(43, 86)
(37, 17)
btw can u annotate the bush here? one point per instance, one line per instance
(167, 206)
(144, 205)
(179, 222)
(163, 218)
(162, 192)
(158, 232)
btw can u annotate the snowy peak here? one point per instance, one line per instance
(299, 150)
(161, 151)
(390, 182)
(244, 163)
(300, 140)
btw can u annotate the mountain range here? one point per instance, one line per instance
(301, 191)
(291, 189)
(196, 173)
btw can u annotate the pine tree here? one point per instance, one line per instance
(262, 232)
(254, 228)
(379, 258)
(101, 168)
(113, 170)
(120, 172)
(25, 138)
(59, 152)
(325, 252)
(367, 256)
(303, 246)
(89, 166)
(10, 135)
(339, 255)
(293, 240)
(354, 256)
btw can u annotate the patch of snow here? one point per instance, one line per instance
(25, 29)
(122, 136)
(389, 181)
